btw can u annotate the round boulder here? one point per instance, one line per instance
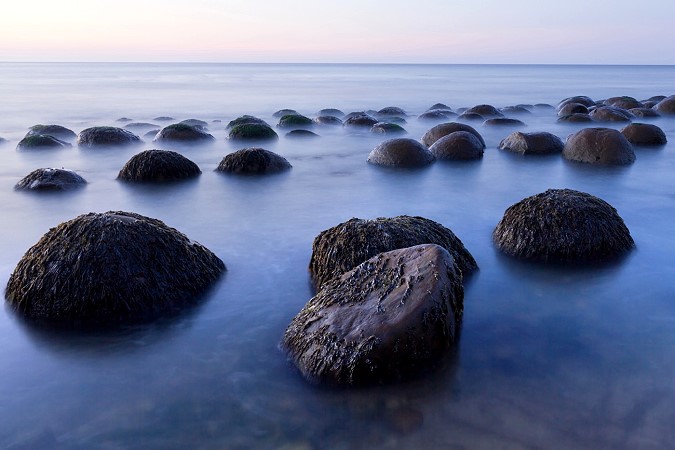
(388, 319)
(107, 269)
(387, 128)
(584, 100)
(197, 123)
(296, 121)
(610, 114)
(141, 126)
(392, 111)
(572, 108)
(434, 115)
(541, 143)
(623, 102)
(486, 111)
(252, 132)
(253, 161)
(50, 180)
(158, 165)
(444, 129)
(401, 152)
(301, 134)
(460, 145)
(106, 137)
(504, 122)
(184, 133)
(345, 246)
(57, 131)
(285, 112)
(245, 119)
(599, 146)
(644, 113)
(516, 110)
(666, 106)
(563, 226)
(471, 117)
(41, 142)
(331, 112)
(328, 120)
(644, 134)
(575, 118)
(360, 121)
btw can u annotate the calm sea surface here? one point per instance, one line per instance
(548, 358)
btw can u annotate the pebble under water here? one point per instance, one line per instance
(552, 357)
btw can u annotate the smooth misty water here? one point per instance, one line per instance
(549, 357)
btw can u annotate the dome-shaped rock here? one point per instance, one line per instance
(644, 113)
(666, 106)
(106, 137)
(623, 102)
(572, 108)
(57, 131)
(387, 128)
(443, 129)
(158, 165)
(460, 145)
(197, 123)
(184, 133)
(301, 134)
(387, 319)
(345, 246)
(50, 180)
(644, 134)
(296, 121)
(486, 111)
(562, 225)
(434, 115)
(331, 112)
(41, 142)
(360, 121)
(540, 143)
(245, 119)
(328, 120)
(516, 110)
(575, 118)
(140, 126)
(470, 117)
(440, 107)
(504, 122)
(584, 100)
(108, 269)
(391, 111)
(401, 152)
(164, 119)
(252, 132)
(599, 146)
(253, 161)
(610, 114)
(285, 112)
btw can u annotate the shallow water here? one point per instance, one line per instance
(548, 357)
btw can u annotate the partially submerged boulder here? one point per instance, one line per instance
(486, 111)
(49, 179)
(599, 146)
(183, 133)
(387, 128)
(583, 99)
(360, 121)
(611, 114)
(445, 129)
(540, 143)
(644, 134)
(401, 152)
(57, 131)
(158, 165)
(390, 111)
(41, 142)
(253, 161)
(575, 118)
(295, 121)
(457, 146)
(245, 119)
(107, 269)
(331, 112)
(563, 226)
(344, 246)
(434, 115)
(624, 102)
(284, 112)
(644, 113)
(301, 134)
(140, 126)
(503, 122)
(572, 108)
(197, 123)
(252, 132)
(328, 120)
(666, 106)
(387, 319)
(106, 137)
(470, 117)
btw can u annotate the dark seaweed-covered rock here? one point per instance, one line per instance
(285, 112)
(360, 121)
(41, 142)
(387, 128)
(50, 180)
(296, 121)
(158, 165)
(486, 111)
(401, 152)
(253, 161)
(433, 115)
(541, 143)
(504, 122)
(57, 131)
(197, 123)
(610, 114)
(388, 319)
(623, 102)
(644, 113)
(470, 117)
(460, 145)
(443, 129)
(572, 108)
(106, 137)
(345, 246)
(644, 134)
(575, 118)
(599, 146)
(666, 106)
(328, 120)
(392, 111)
(245, 119)
(562, 225)
(107, 269)
(252, 132)
(301, 134)
(584, 100)
(331, 112)
(184, 133)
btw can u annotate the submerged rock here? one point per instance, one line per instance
(328, 120)
(387, 319)
(444, 129)
(504, 122)
(50, 180)
(644, 113)
(572, 108)
(245, 119)
(440, 107)
(164, 119)
(562, 225)
(584, 100)
(540, 143)
(140, 126)
(611, 114)
(285, 112)
(392, 111)
(158, 165)
(644, 134)
(575, 118)
(41, 142)
(297, 121)
(252, 132)
(106, 137)
(471, 117)
(197, 123)
(401, 152)
(433, 115)
(516, 110)
(108, 269)
(57, 131)
(301, 134)
(345, 246)
(666, 106)
(331, 112)
(387, 128)
(623, 102)
(253, 161)
(184, 133)
(486, 111)
(460, 145)
(599, 146)
(360, 121)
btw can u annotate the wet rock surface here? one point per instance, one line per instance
(253, 161)
(387, 128)
(50, 179)
(611, 114)
(245, 119)
(443, 129)
(644, 134)
(401, 152)
(457, 146)
(504, 122)
(360, 121)
(328, 120)
(106, 137)
(295, 121)
(185, 133)
(666, 106)
(599, 146)
(57, 131)
(485, 111)
(540, 143)
(252, 132)
(158, 166)
(41, 142)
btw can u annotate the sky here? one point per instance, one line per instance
(341, 31)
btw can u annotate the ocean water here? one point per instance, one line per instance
(548, 358)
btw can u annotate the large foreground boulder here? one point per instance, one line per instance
(158, 165)
(540, 143)
(106, 137)
(106, 269)
(599, 146)
(644, 134)
(387, 319)
(49, 179)
(457, 146)
(564, 226)
(344, 246)
(444, 129)
(253, 161)
(58, 131)
(183, 133)
(401, 152)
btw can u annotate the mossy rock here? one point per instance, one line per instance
(297, 121)
(562, 226)
(106, 137)
(345, 246)
(401, 152)
(457, 146)
(41, 142)
(540, 143)
(197, 123)
(443, 129)
(57, 131)
(604, 146)
(644, 134)
(245, 119)
(158, 166)
(252, 132)
(107, 269)
(387, 128)
(253, 161)
(183, 133)
(49, 179)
